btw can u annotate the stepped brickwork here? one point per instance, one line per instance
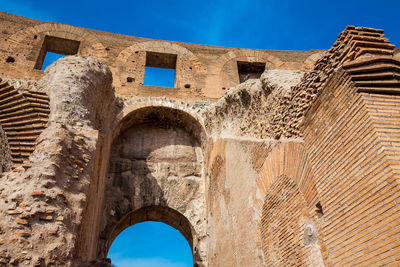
(276, 114)
(352, 43)
(297, 166)
(23, 116)
(377, 75)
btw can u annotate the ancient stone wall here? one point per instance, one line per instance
(350, 139)
(344, 169)
(156, 163)
(259, 111)
(23, 116)
(283, 225)
(247, 109)
(248, 180)
(297, 168)
(44, 203)
(230, 212)
(5, 156)
(201, 72)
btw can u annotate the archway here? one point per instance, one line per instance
(288, 235)
(156, 174)
(161, 221)
(288, 208)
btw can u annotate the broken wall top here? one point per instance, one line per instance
(201, 72)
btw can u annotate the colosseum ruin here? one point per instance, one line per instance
(258, 157)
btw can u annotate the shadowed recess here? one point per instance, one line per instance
(174, 117)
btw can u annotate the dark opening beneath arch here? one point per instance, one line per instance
(164, 115)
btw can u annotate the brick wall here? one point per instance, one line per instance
(283, 224)
(5, 158)
(202, 72)
(351, 138)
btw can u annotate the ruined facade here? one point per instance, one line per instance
(258, 157)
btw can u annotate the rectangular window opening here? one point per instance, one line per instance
(250, 70)
(160, 69)
(54, 48)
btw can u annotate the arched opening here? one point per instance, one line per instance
(155, 174)
(159, 214)
(150, 244)
(167, 115)
(152, 235)
(289, 236)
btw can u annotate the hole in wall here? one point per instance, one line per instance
(160, 69)
(130, 79)
(319, 210)
(55, 45)
(10, 59)
(35, 37)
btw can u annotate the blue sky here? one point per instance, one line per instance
(260, 24)
(151, 244)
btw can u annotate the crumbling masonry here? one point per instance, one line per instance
(258, 157)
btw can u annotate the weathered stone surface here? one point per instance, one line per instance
(66, 148)
(79, 80)
(5, 157)
(156, 166)
(295, 168)
(247, 110)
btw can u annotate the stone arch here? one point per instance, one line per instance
(156, 160)
(226, 69)
(160, 214)
(291, 159)
(132, 60)
(286, 189)
(33, 37)
(172, 110)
